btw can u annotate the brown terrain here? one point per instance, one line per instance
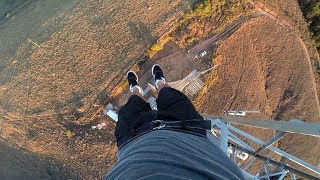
(265, 65)
(53, 89)
(263, 72)
(49, 87)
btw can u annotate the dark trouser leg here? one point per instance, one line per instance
(132, 115)
(173, 105)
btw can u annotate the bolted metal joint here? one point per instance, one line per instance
(159, 124)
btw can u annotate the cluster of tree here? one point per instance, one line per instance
(311, 11)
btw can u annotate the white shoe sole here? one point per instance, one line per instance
(136, 86)
(157, 80)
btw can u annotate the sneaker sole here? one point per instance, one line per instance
(140, 90)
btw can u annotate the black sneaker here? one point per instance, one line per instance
(133, 81)
(157, 73)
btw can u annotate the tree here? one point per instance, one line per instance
(314, 10)
(311, 10)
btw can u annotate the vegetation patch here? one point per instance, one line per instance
(119, 89)
(69, 133)
(200, 96)
(206, 19)
(158, 46)
(311, 11)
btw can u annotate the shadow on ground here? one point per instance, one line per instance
(20, 164)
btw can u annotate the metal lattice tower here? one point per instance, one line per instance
(229, 137)
(192, 83)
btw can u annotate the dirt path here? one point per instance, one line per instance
(225, 33)
(273, 78)
(268, 13)
(182, 62)
(186, 61)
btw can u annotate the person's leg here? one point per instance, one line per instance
(134, 113)
(171, 103)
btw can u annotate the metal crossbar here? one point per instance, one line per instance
(278, 151)
(272, 140)
(288, 168)
(222, 127)
(292, 126)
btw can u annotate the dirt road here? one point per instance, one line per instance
(181, 61)
(267, 12)
(269, 73)
(187, 63)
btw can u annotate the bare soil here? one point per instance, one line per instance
(49, 88)
(17, 164)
